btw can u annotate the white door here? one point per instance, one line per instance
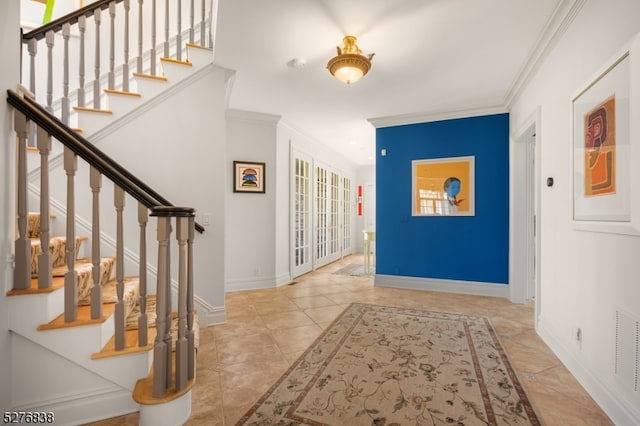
(347, 211)
(301, 225)
(327, 216)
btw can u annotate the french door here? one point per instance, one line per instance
(301, 244)
(321, 212)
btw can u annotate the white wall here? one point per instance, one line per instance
(9, 76)
(177, 146)
(250, 239)
(585, 276)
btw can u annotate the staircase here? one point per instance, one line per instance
(90, 342)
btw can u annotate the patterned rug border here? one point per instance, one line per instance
(522, 394)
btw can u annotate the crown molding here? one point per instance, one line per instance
(425, 117)
(556, 26)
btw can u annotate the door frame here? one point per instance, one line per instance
(524, 223)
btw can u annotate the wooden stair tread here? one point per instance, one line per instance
(57, 283)
(96, 110)
(197, 46)
(150, 76)
(131, 344)
(123, 93)
(176, 61)
(143, 390)
(83, 318)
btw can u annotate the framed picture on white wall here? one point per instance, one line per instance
(604, 147)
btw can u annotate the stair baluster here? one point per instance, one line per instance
(125, 63)
(71, 276)
(203, 24)
(95, 181)
(179, 32)
(22, 270)
(153, 57)
(119, 316)
(50, 40)
(162, 351)
(96, 82)
(191, 363)
(45, 264)
(82, 28)
(167, 53)
(111, 79)
(143, 335)
(65, 103)
(192, 16)
(182, 357)
(140, 37)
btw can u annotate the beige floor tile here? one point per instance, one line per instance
(268, 330)
(287, 320)
(312, 302)
(324, 314)
(296, 338)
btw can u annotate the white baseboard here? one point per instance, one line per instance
(86, 407)
(212, 316)
(283, 279)
(448, 286)
(250, 284)
(619, 408)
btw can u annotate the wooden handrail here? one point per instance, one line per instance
(89, 152)
(70, 18)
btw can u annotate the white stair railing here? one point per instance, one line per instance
(83, 29)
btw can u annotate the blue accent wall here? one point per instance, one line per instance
(466, 248)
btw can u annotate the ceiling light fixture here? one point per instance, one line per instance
(350, 65)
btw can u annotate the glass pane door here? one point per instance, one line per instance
(346, 216)
(301, 261)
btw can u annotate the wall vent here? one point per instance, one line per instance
(627, 367)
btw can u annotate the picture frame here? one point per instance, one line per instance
(443, 186)
(604, 147)
(249, 176)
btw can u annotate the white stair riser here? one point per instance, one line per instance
(34, 310)
(90, 121)
(177, 72)
(122, 104)
(175, 412)
(199, 57)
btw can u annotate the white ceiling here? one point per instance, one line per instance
(431, 57)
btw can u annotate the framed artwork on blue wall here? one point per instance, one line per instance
(443, 186)
(248, 177)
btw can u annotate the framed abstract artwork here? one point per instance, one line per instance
(443, 187)
(603, 148)
(248, 177)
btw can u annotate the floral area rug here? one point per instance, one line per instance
(386, 366)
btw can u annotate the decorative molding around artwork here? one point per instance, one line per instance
(604, 147)
(448, 286)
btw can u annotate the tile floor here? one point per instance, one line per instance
(266, 330)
